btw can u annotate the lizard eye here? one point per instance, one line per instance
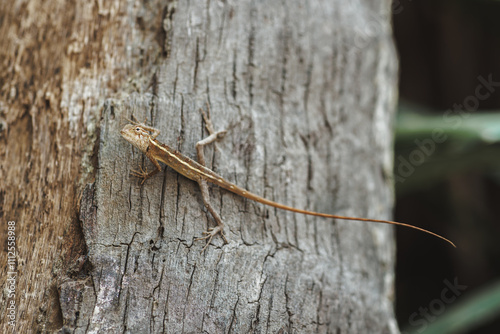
(137, 129)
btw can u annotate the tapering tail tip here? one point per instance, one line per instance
(451, 243)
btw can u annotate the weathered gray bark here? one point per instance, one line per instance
(306, 91)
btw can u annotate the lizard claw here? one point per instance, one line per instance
(142, 174)
(134, 121)
(209, 126)
(210, 234)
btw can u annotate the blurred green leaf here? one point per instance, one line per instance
(415, 121)
(470, 141)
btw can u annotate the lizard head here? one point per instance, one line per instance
(136, 135)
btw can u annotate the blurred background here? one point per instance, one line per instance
(447, 165)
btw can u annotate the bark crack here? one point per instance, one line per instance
(196, 63)
(234, 77)
(191, 278)
(233, 315)
(251, 52)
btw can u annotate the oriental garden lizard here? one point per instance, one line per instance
(138, 134)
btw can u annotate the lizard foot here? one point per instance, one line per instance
(209, 125)
(210, 234)
(142, 174)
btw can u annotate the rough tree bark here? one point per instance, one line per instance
(306, 91)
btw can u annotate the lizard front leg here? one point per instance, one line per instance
(143, 174)
(213, 136)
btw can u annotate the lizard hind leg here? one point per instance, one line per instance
(213, 136)
(211, 232)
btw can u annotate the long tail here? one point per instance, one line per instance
(245, 193)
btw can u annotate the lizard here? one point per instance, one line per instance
(144, 137)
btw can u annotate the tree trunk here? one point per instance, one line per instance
(306, 91)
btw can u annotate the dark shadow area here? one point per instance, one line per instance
(450, 68)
